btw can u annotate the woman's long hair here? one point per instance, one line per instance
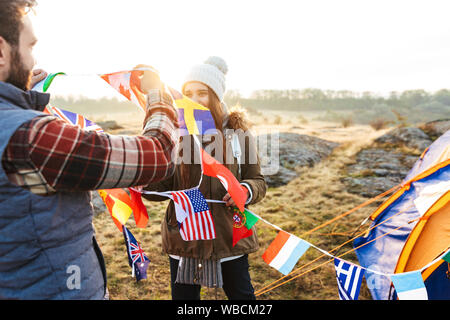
(218, 114)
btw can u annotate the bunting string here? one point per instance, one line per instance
(324, 253)
(261, 291)
(335, 249)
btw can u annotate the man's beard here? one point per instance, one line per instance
(19, 76)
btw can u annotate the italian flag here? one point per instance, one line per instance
(242, 224)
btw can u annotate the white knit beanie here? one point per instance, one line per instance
(212, 73)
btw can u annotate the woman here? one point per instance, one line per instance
(213, 262)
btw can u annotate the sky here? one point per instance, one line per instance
(358, 45)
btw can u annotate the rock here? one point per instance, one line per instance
(437, 128)
(128, 132)
(377, 170)
(386, 163)
(97, 203)
(410, 137)
(294, 150)
(109, 125)
(283, 177)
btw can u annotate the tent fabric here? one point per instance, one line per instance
(429, 239)
(400, 211)
(438, 152)
(439, 282)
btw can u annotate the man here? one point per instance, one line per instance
(47, 244)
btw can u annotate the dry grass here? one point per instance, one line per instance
(379, 123)
(347, 121)
(316, 196)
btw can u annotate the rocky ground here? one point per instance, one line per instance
(388, 160)
(296, 150)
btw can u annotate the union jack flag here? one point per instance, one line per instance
(137, 259)
(193, 215)
(73, 118)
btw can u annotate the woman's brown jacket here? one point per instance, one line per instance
(248, 173)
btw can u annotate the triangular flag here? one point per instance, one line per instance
(119, 205)
(212, 168)
(128, 84)
(139, 210)
(242, 224)
(409, 286)
(109, 205)
(284, 252)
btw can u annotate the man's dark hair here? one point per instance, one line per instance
(11, 14)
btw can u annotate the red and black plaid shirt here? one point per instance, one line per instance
(46, 155)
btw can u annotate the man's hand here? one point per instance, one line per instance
(38, 75)
(149, 79)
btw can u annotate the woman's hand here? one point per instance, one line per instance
(230, 202)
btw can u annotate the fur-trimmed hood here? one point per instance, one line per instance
(237, 118)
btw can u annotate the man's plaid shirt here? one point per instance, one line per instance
(46, 155)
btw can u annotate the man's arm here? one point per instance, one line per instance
(47, 155)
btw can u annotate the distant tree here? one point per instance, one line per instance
(294, 94)
(442, 96)
(393, 95)
(343, 94)
(410, 106)
(313, 94)
(414, 97)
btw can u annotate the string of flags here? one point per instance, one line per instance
(193, 213)
(287, 249)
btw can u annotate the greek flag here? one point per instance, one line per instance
(349, 278)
